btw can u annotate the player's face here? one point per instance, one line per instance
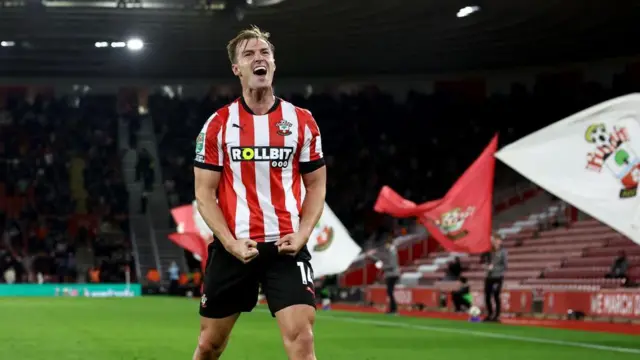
(255, 64)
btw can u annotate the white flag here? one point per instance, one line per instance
(332, 248)
(590, 160)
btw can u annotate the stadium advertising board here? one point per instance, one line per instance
(605, 303)
(623, 303)
(71, 290)
(513, 301)
(428, 297)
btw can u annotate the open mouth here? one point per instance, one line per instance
(260, 70)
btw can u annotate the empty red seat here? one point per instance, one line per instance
(522, 274)
(437, 275)
(409, 268)
(613, 251)
(542, 256)
(556, 248)
(605, 283)
(554, 241)
(576, 231)
(598, 261)
(533, 265)
(523, 265)
(509, 274)
(587, 223)
(577, 272)
(423, 261)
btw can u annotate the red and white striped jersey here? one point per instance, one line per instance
(261, 158)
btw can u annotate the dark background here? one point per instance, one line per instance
(317, 38)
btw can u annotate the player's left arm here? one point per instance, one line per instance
(314, 177)
(315, 184)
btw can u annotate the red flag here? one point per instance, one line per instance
(188, 237)
(462, 221)
(194, 243)
(183, 216)
(390, 202)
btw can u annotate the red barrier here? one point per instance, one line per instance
(512, 301)
(366, 274)
(607, 303)
(404, 296)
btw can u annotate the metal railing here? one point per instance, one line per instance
(134, 245)
(154, 244)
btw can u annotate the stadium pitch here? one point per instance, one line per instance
(157, 328)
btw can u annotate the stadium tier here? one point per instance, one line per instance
(585, 250)
(563, 261)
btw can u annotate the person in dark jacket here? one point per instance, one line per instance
(494, 278)
(462, 296)
(387, 260)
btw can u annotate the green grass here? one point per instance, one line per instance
(164, 328)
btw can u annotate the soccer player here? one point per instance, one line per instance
(253, 158)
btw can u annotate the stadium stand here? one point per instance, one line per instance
(63, 206)
(379, 153)
(581, 253)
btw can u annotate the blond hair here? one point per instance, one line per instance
(253, 32)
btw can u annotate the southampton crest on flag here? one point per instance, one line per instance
(451, 222)
(613, 152)
(324, 237)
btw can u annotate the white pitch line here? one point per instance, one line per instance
(481, 334)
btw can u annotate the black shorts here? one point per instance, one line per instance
(231, 286)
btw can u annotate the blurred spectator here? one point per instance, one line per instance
(494, 279)
(619, 267)
(454, 269)
(145, 173)
(62, 198)
(462, 298)
(387, 260)
(174, 277)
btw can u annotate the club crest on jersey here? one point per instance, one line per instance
(278, 156)
(284, 127)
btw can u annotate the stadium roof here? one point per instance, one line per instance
(318, 37)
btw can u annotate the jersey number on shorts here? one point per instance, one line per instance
(305, 273)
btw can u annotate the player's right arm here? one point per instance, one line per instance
(208, 172)
(208, 167)
(206, 185)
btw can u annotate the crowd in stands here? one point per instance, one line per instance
(63, 208)
(418, 145)
(63, 204)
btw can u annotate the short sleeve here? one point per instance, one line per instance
(209, 154)
(311, 157)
